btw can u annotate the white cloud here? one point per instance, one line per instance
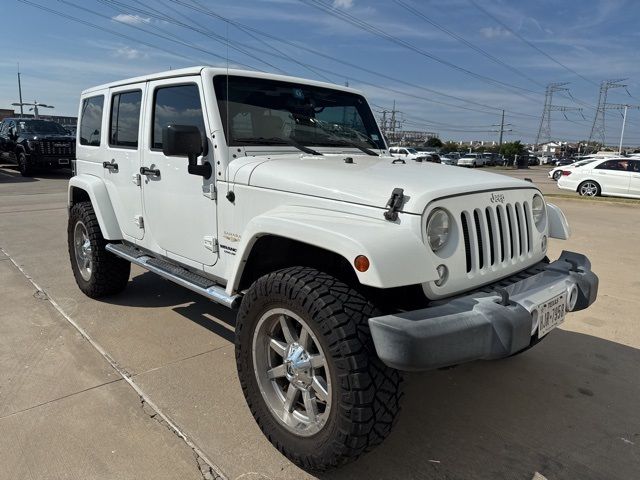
(494, 32)
(131, 19)
(342, 3)
(128, 53)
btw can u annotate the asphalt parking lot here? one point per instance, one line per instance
(568, 409)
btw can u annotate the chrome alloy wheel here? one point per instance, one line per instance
(588, 189)
(82, 249)
(291, 371)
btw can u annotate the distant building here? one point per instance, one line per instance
(410, 137)
(62, 120)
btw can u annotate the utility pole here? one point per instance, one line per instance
(598, 127)
(544, 131)
(20, 91)
(502, 130)
(624, 121)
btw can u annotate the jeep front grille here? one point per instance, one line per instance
(496, 235)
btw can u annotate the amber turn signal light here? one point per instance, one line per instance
(361, 263)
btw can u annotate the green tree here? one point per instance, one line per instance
(449, 147)
(433, 142)
(511, 149)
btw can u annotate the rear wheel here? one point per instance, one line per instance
(589, 188)
(309, 371)
(557, 175)
(98, 272)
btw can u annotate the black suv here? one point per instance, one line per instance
(35, 144)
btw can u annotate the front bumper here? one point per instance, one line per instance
(50, 161)
(494, 322)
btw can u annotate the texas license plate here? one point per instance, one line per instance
(63, 161)
(551, 314)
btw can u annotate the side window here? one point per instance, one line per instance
(613, 165)
(634, 166)
(91, 121)
(177, 105)
(125, 119)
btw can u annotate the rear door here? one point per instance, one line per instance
(613, 176)
(121, 168)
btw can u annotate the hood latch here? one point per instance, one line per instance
(394, 204)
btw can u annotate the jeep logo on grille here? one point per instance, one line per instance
(497, 198)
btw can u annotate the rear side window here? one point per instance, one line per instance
(613, 165)
(125, 119)
(175, 105)
(91, 120)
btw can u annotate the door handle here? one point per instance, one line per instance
(113, 167)
(150, 172)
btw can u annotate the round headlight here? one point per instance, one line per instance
(438, 229)
(538, 211)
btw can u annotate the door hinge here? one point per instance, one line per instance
(139, 221)
(136, 179)
(210, 191)
(211, 243)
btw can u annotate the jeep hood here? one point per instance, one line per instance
(367, 181)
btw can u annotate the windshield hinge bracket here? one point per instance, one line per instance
(209, 190)
(394, 204)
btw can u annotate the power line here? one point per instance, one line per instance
(535, 47)
(462, 40)
(335, 12)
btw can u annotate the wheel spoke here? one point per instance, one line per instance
(277, 372)
(317, 360)
(310, 405)
(86, 261)
(290, 400)
(278, 346)
(287, 329)
(320, 387)
(304, 338)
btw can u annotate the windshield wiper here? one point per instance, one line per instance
(359, 146)
(280, 140)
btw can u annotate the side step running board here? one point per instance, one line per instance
(197, 283)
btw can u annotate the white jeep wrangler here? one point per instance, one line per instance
(278, 196)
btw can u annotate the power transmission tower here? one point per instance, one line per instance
(391, 124)
(544, 131)
(598, 128)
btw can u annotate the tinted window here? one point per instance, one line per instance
(613, 165)
(179, 105)
(91, 120)
(634, 166)
(257, 111)
(41, 126)
(125, 119)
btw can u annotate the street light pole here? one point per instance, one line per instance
(20, 92)
(624, 121)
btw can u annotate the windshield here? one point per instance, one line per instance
(41, 126)
(412, 150)
(583, 162)
(271, 112)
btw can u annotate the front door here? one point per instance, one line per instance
(613, 176)
(179, 209)
(121, 170)
(634, 180)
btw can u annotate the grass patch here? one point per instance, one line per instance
(627, 201)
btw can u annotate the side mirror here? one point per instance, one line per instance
(185, 141)
(12, 132)
(181, 140)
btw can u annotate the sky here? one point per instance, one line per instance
(450, 66)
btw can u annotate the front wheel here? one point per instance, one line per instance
(26, 170)
(589, 188)
(98, 272)
(309, 371)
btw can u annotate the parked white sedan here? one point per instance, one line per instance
(616, 177)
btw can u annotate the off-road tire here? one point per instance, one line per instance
(110, 274)
(26, 170)
(365, 392)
